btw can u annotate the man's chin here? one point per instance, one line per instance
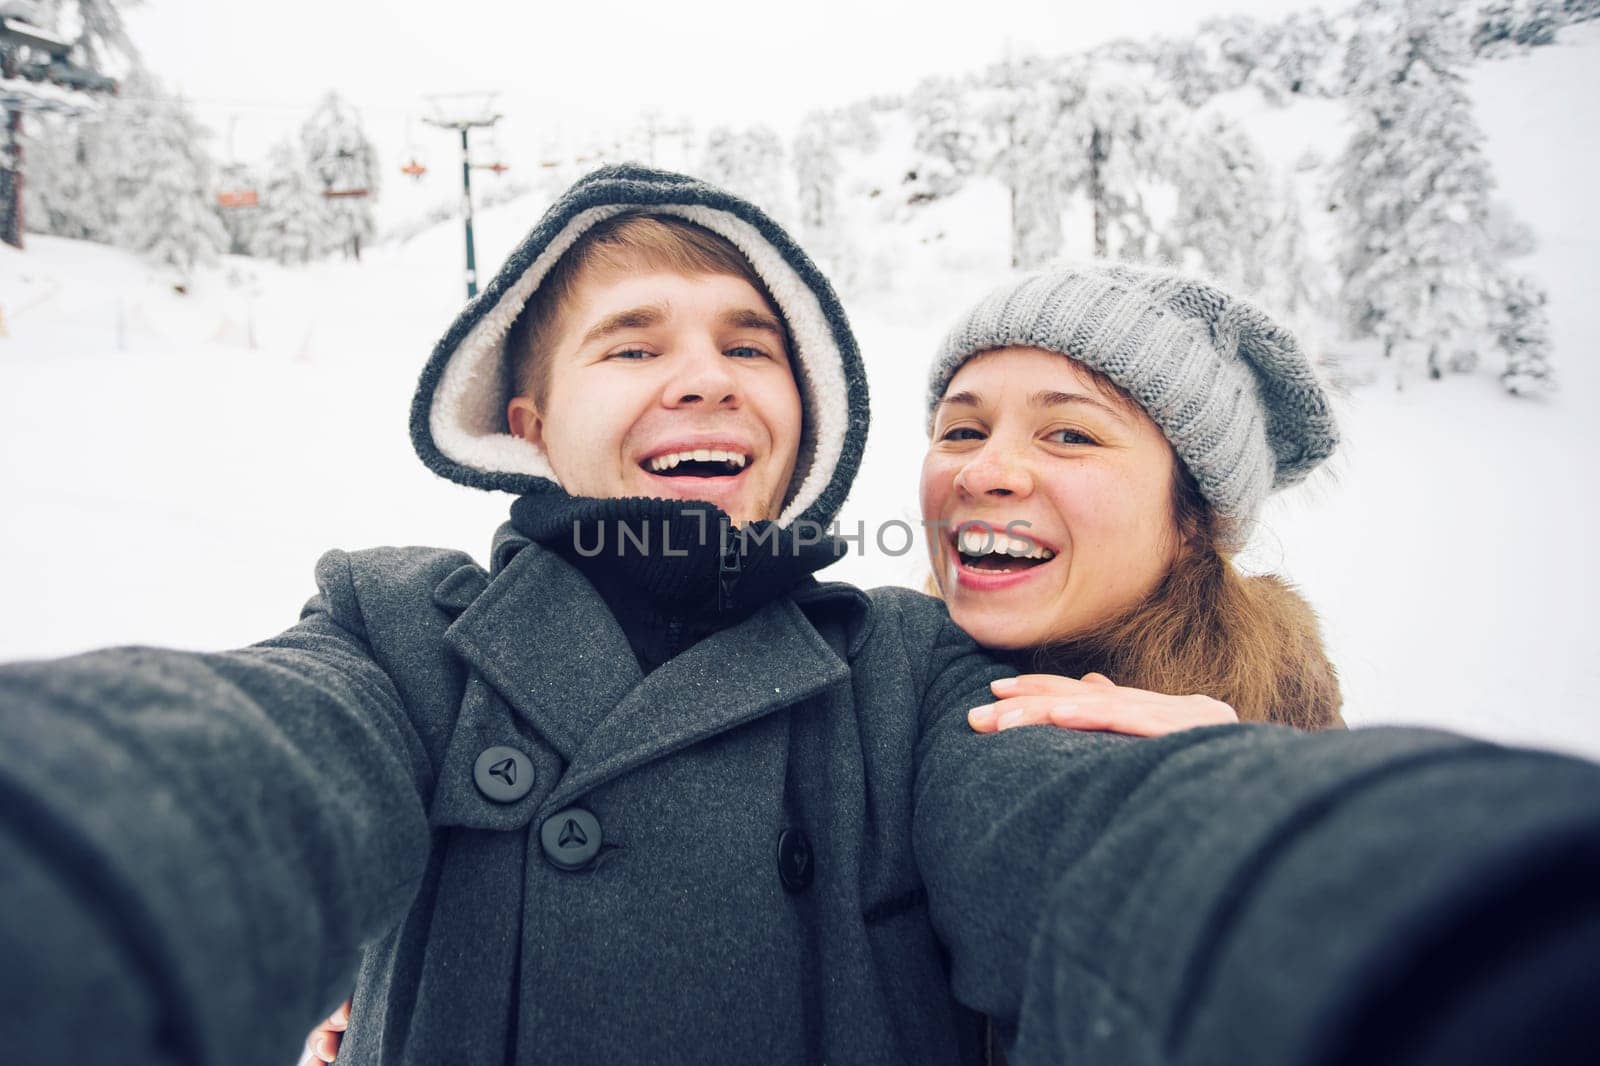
(723, 493)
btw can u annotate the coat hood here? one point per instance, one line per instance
(458, 420)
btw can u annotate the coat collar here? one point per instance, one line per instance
(543, 638)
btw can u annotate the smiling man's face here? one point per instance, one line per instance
(673, 386)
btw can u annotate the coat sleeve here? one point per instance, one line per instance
(1244, 894)
(196, 846)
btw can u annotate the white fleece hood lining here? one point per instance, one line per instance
(468, 407)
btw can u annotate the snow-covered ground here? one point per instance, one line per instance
(173, 464)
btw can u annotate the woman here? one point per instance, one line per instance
(1128, 511)
(1088, 535)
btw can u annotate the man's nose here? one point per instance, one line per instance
(702, 377)
(996, 469)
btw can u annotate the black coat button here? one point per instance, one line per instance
(794, 860)
(570, 838)
(503, 774)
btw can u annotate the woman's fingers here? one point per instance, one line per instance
(1035, 685)
(1010, 713)
(1105, 708)
(1134, 721)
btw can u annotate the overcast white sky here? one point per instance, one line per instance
(568, 67)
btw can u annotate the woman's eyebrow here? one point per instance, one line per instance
(641, 317)
(961, 399)
(1053, 398)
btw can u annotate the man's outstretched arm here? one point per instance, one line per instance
(183, 831)
(1251, 894)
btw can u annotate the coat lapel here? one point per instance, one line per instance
(773, 659)
(547, 643)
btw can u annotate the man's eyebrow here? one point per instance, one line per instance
(1054, 398)
(750, 318)
(641, 317)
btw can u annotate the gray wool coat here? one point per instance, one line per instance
(203, 853)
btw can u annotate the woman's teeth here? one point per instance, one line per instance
(998, 548)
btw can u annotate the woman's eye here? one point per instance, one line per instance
(962, 433)
(1068, 436)
(632, 353)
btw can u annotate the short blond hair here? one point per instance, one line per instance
(629, 243)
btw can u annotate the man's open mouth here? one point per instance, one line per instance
(698, 462)
(995, 552)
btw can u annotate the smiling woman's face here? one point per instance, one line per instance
(1028, 439)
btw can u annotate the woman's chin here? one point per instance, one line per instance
(995, 629)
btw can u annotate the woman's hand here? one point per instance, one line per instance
(1093, 703)
(323, 1043)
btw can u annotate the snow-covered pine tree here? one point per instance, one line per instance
(1240, 44)
(1506, 24)
(168, 216)
(1522, 332)
(1412, 193)
(749, 163)
(816, 174)
(1224, 212)
(1293, 284)
(947, 136)
(344, 166)
(96, 27)
(1184, 65)
(1580, 10)
(1020, 113)
(1368, 23)
(1110, 142)
(1306, 60)
(292, 226)
(855, 127)
(62, 195)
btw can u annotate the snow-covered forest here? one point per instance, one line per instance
(1130, 150)
(205, 357)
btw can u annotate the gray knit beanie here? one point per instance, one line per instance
(1229, 387)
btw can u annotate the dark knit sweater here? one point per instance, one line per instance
(672, 573)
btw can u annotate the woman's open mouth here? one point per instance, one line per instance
(988, 558)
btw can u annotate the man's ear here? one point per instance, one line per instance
(523, 417)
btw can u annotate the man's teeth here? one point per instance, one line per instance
(986, 542)
(700, 455)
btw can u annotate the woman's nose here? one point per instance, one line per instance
(996, 470)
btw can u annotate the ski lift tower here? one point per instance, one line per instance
(36, 74)
(465, 112)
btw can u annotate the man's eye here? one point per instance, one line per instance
(745, 351)
(1071, 436)
(632, 353)
(962, 433)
